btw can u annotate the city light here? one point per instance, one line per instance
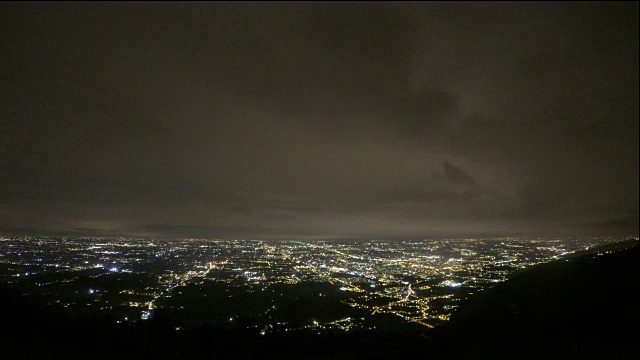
(417, 282)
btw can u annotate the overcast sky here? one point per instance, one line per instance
(305, 120)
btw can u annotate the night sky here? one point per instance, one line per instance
(350, 120)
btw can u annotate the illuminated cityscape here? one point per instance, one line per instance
(270, 286)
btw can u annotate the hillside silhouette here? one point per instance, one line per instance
(584, 305)
(581, 306)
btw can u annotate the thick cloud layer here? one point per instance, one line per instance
(320, 120)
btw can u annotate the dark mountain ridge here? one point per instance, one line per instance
(583, 304)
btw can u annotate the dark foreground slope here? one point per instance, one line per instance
(582, 307)
(31, 331)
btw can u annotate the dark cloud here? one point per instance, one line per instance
(456, 175)
(328, 120)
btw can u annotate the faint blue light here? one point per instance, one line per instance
(450, 283)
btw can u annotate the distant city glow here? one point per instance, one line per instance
(417, 282)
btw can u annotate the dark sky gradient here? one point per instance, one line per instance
(319, 120)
